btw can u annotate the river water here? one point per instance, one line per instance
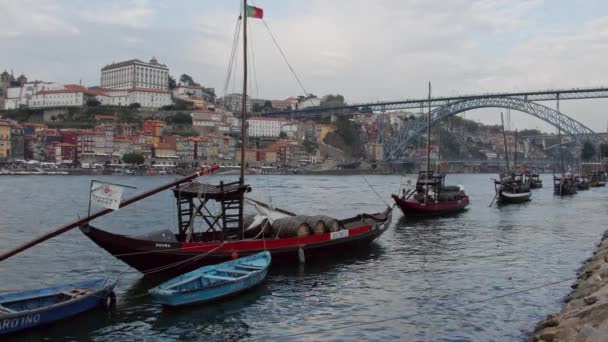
(448, 279)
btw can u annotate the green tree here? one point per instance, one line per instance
(267, 106)
(135, 105)
(283, 135)
(172, 83)
(187, 80)
(133, 158)
(53, 118)
(588, 151)
(332, 100)
(604, 149)
(179, 119)
(93, 102)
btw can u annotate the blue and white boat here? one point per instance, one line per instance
(28, 309)
(213, 282)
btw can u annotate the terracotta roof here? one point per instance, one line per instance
(132, 61)
(105, 116)
(167, 146)
(269, 119)
(149, 90)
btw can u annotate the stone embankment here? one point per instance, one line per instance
(584, 316)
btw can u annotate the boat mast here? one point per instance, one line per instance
(244, 97)
(504, 138)
(559, 134)
(515, 151)
(428, 140)
(428, 150)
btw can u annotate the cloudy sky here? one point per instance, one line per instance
(366, 50)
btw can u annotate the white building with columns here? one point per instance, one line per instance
(265, 127)
(135, 73)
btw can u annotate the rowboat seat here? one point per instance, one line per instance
(75, 293)
(6, 310)
(185, 281)
(250, 267)
(218, 277)
(228, 270)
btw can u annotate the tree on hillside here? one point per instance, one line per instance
(187, 80)
(604, 149)
(135, 105)
(93, 102)
(588, 151)
(332, 100)
(133, 158)
(179, 119)
(172, 83)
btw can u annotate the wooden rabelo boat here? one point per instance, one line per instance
(564, 184)
(431, 197)
(224, 235)
(514, 185)
(535, 181)
(512, 188)
(582, 182)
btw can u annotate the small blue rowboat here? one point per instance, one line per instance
(28, 309)
(213, 282)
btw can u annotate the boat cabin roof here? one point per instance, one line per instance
(222, 191)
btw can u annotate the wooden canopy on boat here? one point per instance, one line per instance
(223, 191)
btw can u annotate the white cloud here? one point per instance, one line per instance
(134, 14)
(29, 16)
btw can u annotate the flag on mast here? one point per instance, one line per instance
(106, 195)
(255, 12)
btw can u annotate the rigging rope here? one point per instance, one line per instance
(233, 51)
(374, 190)
(284, 57)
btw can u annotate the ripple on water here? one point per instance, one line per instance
(439, 275)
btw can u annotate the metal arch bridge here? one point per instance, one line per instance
(449, 106)
(385, 106)
(577, 130)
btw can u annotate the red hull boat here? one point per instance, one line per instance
(430, 196)
(161, 251)
(412, 207)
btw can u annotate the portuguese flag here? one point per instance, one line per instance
(255, 12)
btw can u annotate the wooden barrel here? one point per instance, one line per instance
(295, 226)
(322, 224)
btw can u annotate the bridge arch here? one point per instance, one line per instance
(568, 125)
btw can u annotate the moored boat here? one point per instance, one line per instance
(582, 182)
(214, 282)
(512, 188)
(564, 184)
(535, 181)
(165, 249)
(28, 309)
(223, 234)
(431, 197)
